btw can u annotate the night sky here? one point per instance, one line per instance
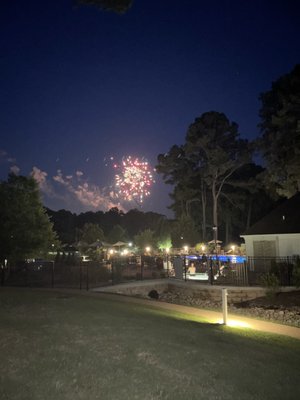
(80, 86)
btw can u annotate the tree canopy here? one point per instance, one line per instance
(202, 168)
(118, 6)
(117, 234)
(26, 230)
(216, 151)
(91, 233)
(280, 129)
(144, 239)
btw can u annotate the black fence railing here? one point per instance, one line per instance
(285, 269)
(83, 275)
(253, 271)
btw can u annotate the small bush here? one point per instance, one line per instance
(153, 294)
(271, 282)
(296, 273)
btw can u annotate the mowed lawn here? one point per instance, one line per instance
(69, 346)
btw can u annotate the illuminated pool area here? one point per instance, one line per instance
(200, 268)
(201, 276)
(232, 259)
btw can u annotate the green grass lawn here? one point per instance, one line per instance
(71, 347)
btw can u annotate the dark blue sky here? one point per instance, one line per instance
(79, 85)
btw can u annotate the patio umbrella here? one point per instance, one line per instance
(119, 244)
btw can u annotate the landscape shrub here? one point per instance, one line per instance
(271, 282)
(283, 271)
(153, 294)
(296, 273)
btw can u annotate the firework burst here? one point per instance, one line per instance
(134, 180)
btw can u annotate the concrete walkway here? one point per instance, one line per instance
(211, 316)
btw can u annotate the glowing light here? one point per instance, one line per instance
(235, 323)
(134, 180)
(111, 251)
(148, 248)
(185, 248)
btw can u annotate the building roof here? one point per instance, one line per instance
(283, 219)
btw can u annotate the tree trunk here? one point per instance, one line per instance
(227, 227)
(203, 199)
(215, 214)
(215, 204)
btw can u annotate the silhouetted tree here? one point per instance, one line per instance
(280, 128)
(64, 224)
(26, 230)
(145, 238)
(117, 234)
(203, 166)
(118, 6)
(91, 233)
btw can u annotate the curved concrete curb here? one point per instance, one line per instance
(212, 316)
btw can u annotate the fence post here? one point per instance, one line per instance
(80, 275)
(87, 276)
(142, 266)
(211, 272)
(52, 275)
(2, 275)
(245, 268)
(289, 271)
(112, 272)
(27, 276)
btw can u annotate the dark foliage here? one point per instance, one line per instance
(118, 6)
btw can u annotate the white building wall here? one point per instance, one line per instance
(287, 244)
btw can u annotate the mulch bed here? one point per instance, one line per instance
(287, 300)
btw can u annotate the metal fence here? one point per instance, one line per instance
(286, 269)
(250, 271)
(83, 275)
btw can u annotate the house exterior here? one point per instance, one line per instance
(278, 233)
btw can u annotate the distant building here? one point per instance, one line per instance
(278, 233)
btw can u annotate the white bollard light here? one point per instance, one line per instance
(224, 305)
